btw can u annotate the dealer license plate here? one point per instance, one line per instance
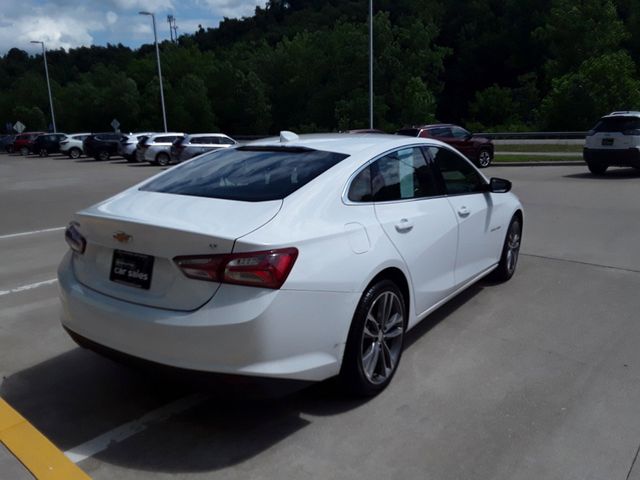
(133, 269)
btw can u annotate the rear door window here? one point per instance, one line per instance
(250, 174)
(402, 175)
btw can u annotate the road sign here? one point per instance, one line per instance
(19, 126)
(115, 124)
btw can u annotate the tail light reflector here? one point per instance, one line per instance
(74, 238)
(266, 269)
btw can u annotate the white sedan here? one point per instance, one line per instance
(294, 257)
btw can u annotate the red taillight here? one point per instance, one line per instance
(267, 269)
(74, 238)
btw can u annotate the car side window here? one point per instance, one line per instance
(459, 176)
(441, 132)
(402, 175)
(225, 141)
(458, 132)
(360, 188)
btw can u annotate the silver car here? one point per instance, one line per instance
(193, 145)
(155, 149)
(128, 144)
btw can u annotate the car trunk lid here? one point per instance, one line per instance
(133, 238)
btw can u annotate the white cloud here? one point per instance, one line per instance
(59, 30)
(232, 8)
(112, 17)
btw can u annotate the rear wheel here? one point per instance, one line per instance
(597, 168)
(375, 341)
(43, 152)
(103, 155)
(484, 158)
(75, 153)
(510, 252)
(24, 151)
(163, 159)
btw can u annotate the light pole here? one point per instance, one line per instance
(155, 38)
(46, 72)
(371, 64)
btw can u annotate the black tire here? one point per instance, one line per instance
(510, 252)
(597, 168)
(367, 340)
(131, 158)
(24, 151)
(103, 156)
(484, 158)
(162, 159)
(43, 152)
(75, 153)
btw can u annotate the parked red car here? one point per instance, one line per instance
(23, 142)
(477, 149)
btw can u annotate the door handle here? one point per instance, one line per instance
(404, 226)
(464, 211)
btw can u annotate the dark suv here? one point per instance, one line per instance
(47, 143)
(477, 149)
(101, 146)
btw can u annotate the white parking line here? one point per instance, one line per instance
(31, 286)
(104, 441)
(33, 232)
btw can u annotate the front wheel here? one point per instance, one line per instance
(24, 151)
(510, 252)
(484, 158)
(375, 341)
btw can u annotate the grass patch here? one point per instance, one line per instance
(538, 148)
(533, 158)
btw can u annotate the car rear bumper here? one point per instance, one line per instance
(627, 157)
(298, 335)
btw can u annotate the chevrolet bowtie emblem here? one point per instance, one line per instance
(122, 237)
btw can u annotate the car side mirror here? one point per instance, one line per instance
(499, 185)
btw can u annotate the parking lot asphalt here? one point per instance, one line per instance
(535, 378)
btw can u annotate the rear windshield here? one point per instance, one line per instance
(250, 174)
(617, 124)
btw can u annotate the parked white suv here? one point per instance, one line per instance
(190, 146)
(156, 148)
(613, 141)
(129, 143)
(72, 144)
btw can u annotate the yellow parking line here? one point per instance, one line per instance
(33, 449)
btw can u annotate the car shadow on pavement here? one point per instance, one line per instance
(611, 174)
(78, 395)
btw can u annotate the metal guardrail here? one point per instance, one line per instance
(533, 135)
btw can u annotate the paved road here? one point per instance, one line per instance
(536, 378)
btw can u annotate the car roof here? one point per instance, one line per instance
(164, 134)
(346, 143)
(628, 113)
(207, 135)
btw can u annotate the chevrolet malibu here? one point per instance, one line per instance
(294, 257)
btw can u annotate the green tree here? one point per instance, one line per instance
(600, 85)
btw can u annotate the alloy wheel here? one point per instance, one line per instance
(513, 246)
(381, 344)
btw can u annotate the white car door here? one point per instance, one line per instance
(416, 216)
(480, 232)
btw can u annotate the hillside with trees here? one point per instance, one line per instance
(302, 65)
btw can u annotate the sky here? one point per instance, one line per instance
(75, 23)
